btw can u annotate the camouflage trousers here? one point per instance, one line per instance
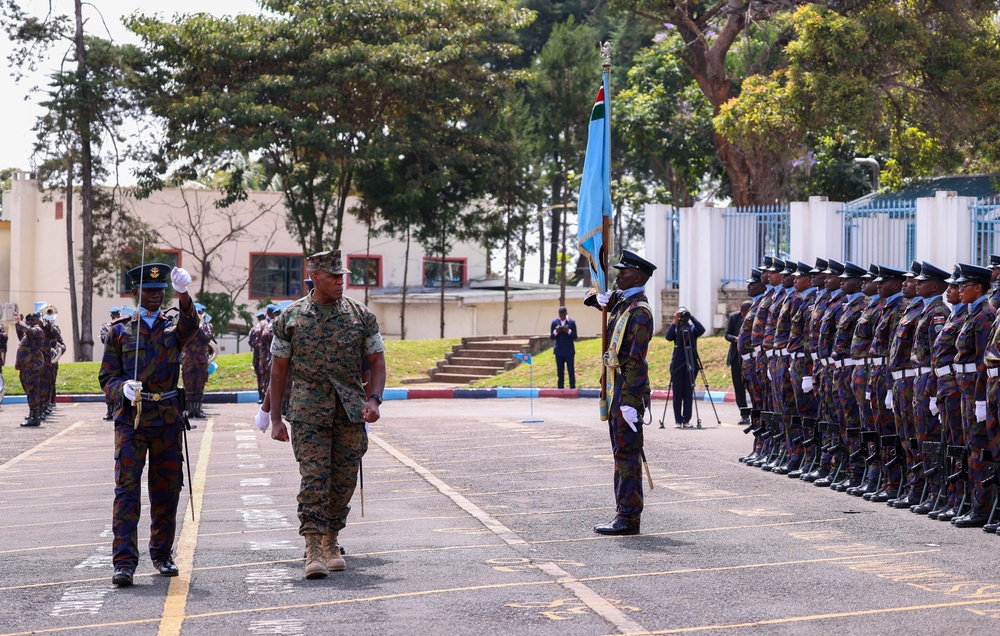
(976, 439)
(764, 382)
(626, 445)
(879, 382)
(329, 454)
(31, 380)
(162, 446)
(54, 373)
(195, 376)
(826, 397)
(850, 416)
(786, 405)
(926, 424)
(859, 384)
(752, 383)
(950, 404)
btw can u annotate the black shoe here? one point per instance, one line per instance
(823, 482)
(883, 496)
(843, 485)
(862, 490)
(971, 520)
(123, 576)
(924, 508)
(912, 499)
(617, 526)
(796, 474)
(991, 528)
(166, 566)
(947, 514)
(32, 421)
(199, 414)
(744, 421)
(814, 475)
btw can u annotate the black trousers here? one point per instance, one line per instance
(683, 394)
(741, 392)
(565, 362)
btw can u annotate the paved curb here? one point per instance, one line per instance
(245, 397)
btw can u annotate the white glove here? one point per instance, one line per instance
(602, 299)
(934, 406)
(180, 279)
(888, 400)
(868, 395)
(130, 389)
(980, 411)
(769, 375)
(630, 415)
(263, 419)
(807, 384)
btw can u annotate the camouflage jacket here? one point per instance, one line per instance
(846, 323)
(760, 318)
(800, 309)
(744, 344)
(944, 349)
(828, 325)
(632, 378)
(902, 339)
(325, 356)
(929, 325)
(864, 331)
(771, 326)
(972, 339)
(155, 353)
(819, 305)
(31, 350)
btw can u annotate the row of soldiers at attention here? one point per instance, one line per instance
(40, 346)
(260, 339)
(881, 383)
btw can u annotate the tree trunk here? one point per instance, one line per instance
(368, 249)
(442, 292)
(554, 238)
(506, 272)
(74, 309)
(541, 245)
(406, 271)
(523, 251)
(87, 195)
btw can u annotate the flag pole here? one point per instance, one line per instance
(604, 257)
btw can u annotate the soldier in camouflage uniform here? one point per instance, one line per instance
(777, 369)
(317, 343)
(30, 363)
(801, 362)
(757, 333)
(629, 398)
(139, 371)
(3, 346)
(254, 341)
(900, 396)
(970, 369)
(994, 298)
(811, 384)
(784, 345)
(57, 347)
(755, 289)
(826, 379)
(949, 397)
(864, 332)
(930, 285)
(194, 362)
(105, 329)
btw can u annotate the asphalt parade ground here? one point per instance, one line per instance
(476, 522)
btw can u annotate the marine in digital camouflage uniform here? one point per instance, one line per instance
(970, 369)
(147, 346)
(317, 343)
(930, 286)
(30, 362)
(631, 393)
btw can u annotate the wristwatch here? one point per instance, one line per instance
(377, 397)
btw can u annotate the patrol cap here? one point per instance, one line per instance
(754, 276)
(150, 276)
(777, 264)
(852, 271)
(974, 273)
(766, 264)
(994, 260)
(115, 310)
(872, 272)
(929, 272)
(272, 307)
(803, 269)
(914, 270)
(261, 313)
(330, 262)
(631, 260)
(955, 274)
(790, 267)
(834, 267)
(821, 265)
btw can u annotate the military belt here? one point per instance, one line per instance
(923, 370)
(797, 355)
(876, 362)
(904, 373)
(745, 357)
(769, 353)
(943, 371)
(965, 368)
(993, 372)
(814, 356)
(757, 349)
(851, 362)
(157, 397)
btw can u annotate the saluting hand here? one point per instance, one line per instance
(180, 279)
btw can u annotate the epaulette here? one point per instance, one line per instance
(120, 319)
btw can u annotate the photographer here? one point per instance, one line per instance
(684, 333)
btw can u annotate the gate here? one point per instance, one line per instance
(750, 233)
(985, 215)
(880, 231)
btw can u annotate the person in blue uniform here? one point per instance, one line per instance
(684, 332)
(563, 332)
(139, 372)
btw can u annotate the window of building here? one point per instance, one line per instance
(59, 210)
(365, 270)
(452, 269)
(276, 276)
(168, 257)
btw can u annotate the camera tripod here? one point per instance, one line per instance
(692, 363)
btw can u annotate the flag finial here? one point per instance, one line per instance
(606, 53)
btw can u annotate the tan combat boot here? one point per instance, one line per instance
(315, 558)
(334, 559)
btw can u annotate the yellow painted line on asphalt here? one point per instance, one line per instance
(175, 604)
(42, 446)
(598, 604)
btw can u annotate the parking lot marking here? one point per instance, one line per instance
(175, 604)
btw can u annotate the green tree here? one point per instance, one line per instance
(310, 86)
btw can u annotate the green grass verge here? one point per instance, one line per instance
(412, 358)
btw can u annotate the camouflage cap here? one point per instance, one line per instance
(330, 262)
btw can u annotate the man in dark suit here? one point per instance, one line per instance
(684, 333)
(733, 358)
(563, 331)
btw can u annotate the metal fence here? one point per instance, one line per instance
(880, 231)
(985, 215)
(673, 248)
(749, 233)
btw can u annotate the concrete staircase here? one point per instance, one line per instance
(480, 357)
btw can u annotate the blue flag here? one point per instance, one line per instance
(595, 189)
(523, 357)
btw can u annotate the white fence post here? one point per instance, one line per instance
(701, 263)
(658, 252)
(944, 229)
(816, 229)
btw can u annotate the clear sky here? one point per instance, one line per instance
(103, 18)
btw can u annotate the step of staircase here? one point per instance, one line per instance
(478, 358)
(459, 378)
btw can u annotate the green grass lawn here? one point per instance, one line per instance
(412, 358)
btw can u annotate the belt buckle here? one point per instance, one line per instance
(155, 397)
